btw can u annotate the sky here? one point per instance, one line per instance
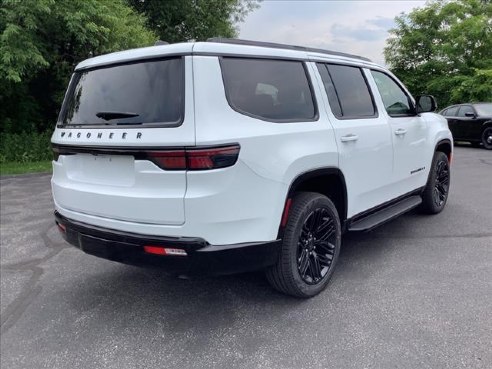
(351, 26)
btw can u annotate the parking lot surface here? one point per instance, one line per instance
(415, 293)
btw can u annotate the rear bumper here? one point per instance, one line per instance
(201, 257)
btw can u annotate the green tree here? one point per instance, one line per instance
(184, 20)
(445, 49)
(40, 43)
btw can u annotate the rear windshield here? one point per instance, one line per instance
(150, 92)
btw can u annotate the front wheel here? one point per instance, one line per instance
(436, 190)
(487, 138)
(310, 247)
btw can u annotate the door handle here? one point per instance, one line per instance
(400, 131)
(349, 137)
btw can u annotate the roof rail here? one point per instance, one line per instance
(237, 41)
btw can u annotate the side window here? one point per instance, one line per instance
(352, 91)
(273, 90)
(330, 90)
(452, 112)
(465, 109)
(395, 100)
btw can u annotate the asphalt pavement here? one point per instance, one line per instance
(414, 293)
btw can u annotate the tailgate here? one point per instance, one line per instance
(119, 187)
(110, 116)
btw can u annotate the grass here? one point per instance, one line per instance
(23, 168)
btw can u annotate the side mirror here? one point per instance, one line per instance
(470, 114)
(426, 103)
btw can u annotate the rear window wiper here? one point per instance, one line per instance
(109, 115)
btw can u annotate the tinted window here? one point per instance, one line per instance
(451, 112)
(395, 100)
(274, 90)
(151, 91)
(330, 90)
(465, 109)
(352, 91)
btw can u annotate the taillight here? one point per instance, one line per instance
(212, 158)
(195, 158)
(192, 158)
(169, 160)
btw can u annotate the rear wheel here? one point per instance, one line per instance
(487, 138)
(436, 191)
(310, 247)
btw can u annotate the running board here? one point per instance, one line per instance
(384, 215)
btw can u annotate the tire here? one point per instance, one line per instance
(310, 247)
(487, 138)
(436, 191)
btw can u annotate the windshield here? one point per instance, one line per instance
(138, 93)
(484, 109)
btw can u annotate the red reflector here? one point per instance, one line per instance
(159, 250)
(61, 227)
(285, 215)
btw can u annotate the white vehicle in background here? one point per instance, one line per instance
(229, 155)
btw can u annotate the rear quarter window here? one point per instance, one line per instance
(271, 90)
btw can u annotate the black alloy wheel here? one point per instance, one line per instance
(316, 246)
(441, 186)
(487, 138)
(310, 247)
(436, 191)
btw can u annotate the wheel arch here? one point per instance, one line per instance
(446, 147)
(486, 124)
(328, 181)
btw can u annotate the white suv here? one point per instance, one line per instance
(229, 155)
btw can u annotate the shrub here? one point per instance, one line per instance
(25, 147)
